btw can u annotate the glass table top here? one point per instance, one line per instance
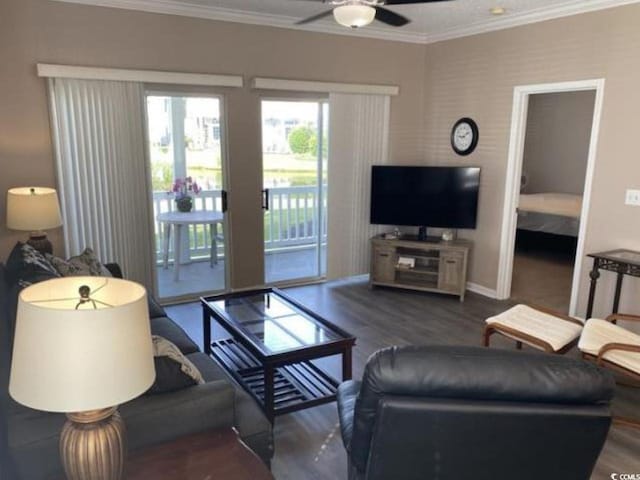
(624, 256)
(273, 322)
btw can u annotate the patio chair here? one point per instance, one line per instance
(614, 347)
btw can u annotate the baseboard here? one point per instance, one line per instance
(484, 291)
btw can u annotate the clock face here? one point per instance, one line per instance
(464, 136)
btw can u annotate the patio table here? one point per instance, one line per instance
(179, 220)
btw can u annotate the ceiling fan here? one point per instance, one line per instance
(359, 13)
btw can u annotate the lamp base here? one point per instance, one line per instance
(92, 445)
(40, 242)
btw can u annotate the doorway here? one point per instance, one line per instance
(186, 154)
(529, 217)
(294, 171)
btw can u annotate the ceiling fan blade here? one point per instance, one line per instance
(407, 2)
(390, 18)
(315, 17)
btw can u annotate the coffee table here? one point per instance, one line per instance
(268, 346)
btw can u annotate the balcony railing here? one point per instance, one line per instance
(291, 221)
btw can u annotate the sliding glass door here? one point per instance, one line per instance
(186, 152)
(294, 168)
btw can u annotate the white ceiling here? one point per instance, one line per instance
(430, 22)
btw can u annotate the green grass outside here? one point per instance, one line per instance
(295, 170)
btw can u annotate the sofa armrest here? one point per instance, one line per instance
(115, 270)
(153, 419)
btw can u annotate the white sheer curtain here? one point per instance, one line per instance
(358, 138)
(98, 132)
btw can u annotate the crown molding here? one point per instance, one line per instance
(532, 16)
(185, 9)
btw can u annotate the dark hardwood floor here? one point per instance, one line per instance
(308, 444)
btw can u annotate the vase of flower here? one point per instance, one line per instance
(183, 190)
(184, 204)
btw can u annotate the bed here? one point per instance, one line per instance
(556, 213)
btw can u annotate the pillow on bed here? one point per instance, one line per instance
(174, 371)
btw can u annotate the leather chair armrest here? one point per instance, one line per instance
(347, 395)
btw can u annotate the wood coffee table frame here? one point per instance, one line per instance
(281, 382)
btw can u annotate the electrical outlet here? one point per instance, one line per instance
(632, 198)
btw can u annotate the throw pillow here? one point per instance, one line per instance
(26, 265)
(85, 264)
(174, 371)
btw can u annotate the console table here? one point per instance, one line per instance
(219, 454)
(201, 456)
(622, 262)
(433, 265)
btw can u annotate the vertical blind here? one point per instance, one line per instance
(103, 182)
(358, 139)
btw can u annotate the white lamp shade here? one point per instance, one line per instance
(68, 360)
(33, 208)
(354, 16)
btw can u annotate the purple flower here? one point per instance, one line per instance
(182, 186)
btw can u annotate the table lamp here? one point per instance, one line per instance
(82, 347)
(34, 209)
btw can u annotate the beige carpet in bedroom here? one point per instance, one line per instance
(542, 280)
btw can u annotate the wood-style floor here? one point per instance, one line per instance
(308, 444)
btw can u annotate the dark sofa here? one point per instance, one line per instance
(29, 438)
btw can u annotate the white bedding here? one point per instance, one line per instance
(563, 204)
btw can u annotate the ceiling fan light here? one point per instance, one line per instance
(354, 16)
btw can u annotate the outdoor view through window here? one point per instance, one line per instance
(186, 148)
(294, 160)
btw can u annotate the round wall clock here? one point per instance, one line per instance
(464, 136)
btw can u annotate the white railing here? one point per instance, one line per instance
(199, 238)
(291, 221)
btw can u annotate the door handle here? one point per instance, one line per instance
(225, 201)
(265, 199)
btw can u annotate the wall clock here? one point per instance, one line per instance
(464, 136)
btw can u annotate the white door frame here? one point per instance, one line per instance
(514, 171)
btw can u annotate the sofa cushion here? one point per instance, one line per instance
(173, 370)
(167, 328)
(85, 264)
(33, 434)
(249, 419)
(155, 309)
(153, 419)
(26, 265)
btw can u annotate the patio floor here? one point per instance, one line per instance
(198, 277)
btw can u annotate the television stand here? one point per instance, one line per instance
(430, 265)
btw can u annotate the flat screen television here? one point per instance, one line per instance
(444, 197)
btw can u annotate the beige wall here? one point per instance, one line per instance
(34, 31)
(475, 77)
(556, 146)
(439, 83)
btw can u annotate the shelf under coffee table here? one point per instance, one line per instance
(272, 342)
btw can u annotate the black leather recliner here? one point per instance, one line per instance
(453, 413)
